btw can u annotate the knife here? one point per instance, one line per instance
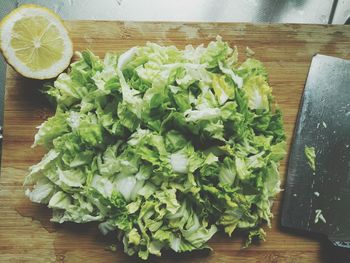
(319, 200)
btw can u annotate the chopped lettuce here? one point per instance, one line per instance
(163, 146)
(310, 156)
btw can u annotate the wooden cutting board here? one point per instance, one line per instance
(26, 235)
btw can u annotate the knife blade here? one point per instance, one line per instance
(318, 201)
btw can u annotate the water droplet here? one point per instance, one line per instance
(323, 19)
(119, 2)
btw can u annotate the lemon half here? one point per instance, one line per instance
(35, 42)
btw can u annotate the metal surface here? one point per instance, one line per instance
(292, 11)
(324, 123)
(342, 12)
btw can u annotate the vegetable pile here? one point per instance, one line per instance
(163, 146)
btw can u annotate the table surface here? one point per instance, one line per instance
(286, 51)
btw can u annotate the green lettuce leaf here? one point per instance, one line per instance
(310, 156)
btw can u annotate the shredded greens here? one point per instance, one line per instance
(310, 156)
(164, 146)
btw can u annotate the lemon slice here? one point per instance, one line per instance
(35, 42)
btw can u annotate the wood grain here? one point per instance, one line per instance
(26, 235)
